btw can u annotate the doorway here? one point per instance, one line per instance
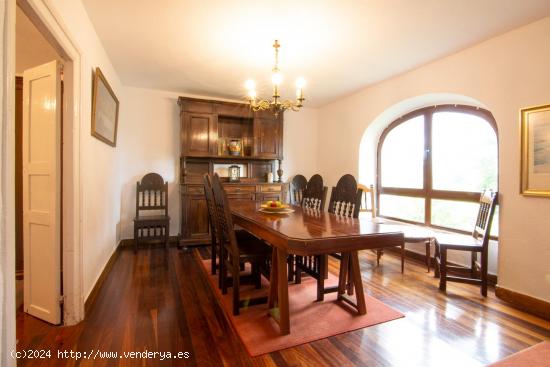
(38, 173)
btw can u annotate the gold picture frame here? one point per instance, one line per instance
(535, 151)
(105, 106)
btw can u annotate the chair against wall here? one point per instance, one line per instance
(151, 196)
(297, 187)
(314, 198)
(234, 253)
(478, 242)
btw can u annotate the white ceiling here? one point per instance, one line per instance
(31, 48)
(211, 47)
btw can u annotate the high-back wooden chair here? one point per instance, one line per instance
(345, 198)
(234, 253)
(314, 198)
(368, 204)
(297, 187)
(478, 242)
(151, 195)
(315, 194)
(211, 207)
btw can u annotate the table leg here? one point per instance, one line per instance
(428, 255)
(282, 280)
(272, 301)
(358, 282)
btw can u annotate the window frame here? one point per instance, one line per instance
(427, 192)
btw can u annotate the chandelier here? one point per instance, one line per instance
(276, 104)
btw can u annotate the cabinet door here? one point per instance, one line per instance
(268, 133)
(270, 196)
(199, 134)
(195, 218)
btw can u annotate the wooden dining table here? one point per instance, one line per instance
(310, 232)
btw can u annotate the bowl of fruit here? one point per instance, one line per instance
(275, 206)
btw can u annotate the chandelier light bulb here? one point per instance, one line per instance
(277, 78)
(300, 83)
(250, 85)
(251, 94)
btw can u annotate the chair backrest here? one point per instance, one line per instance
(487, 205)
(367, 198)
(211, 206)
(224, 221)
(345, 198)
(152, 194)
(315, 194)
(297, 187)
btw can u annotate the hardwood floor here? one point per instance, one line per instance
(160, 301)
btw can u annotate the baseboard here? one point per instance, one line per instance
(100, 280)
(172, 241)
(491, 278)
(524, 302)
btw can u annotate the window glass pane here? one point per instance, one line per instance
(402, 207)
(464, 153)
(454, 214)
(402, 155)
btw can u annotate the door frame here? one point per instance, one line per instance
(50, 24)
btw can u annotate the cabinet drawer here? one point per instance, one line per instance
(195, 190)
(230, 189)
(242, 196)
(270, 188)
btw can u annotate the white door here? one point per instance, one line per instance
(42, 191)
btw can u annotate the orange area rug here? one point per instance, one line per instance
(537, 355)
(309, 320)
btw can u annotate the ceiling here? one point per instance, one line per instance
(210, 47)
(31, 48)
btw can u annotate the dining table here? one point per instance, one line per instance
(307, 232)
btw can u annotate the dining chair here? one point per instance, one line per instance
(241, 234)
(297, 187)
(152, 197)
(233, 253)
(314, 199)
(345, 202)
(478, 242)
(368, 197)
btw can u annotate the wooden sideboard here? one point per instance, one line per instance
(206, 127)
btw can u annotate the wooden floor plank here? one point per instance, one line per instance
(160, 301)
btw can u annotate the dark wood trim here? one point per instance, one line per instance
(89, 302)
(524, 302)
(417, 257)
(19, 177)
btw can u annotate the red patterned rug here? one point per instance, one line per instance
(537, 355)
(309, 320)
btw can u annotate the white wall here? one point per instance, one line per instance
(504, 74)
(99, 162)
(149, 142)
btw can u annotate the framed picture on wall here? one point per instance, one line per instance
(104, 110)
(535, 151)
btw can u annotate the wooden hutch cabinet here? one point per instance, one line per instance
(207, 127)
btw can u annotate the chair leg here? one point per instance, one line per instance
(298, 271)
(236, 286)
(484, 270)
(428, 255)
(379, 253)
(350, 285)
(321, 281)
(167, 235)
(473, 265)
(343, 273)
(443, 270)
(402, 258)
(290, 262)
(437, 262)
(136, 231)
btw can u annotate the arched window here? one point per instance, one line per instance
(434, 162)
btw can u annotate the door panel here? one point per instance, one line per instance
(198, 217)
(42, 191)
(200, 129)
